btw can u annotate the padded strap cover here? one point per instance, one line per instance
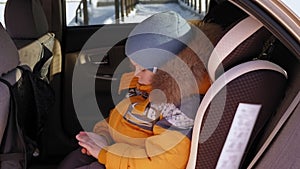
(230, 41)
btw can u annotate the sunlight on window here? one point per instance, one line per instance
(94, 12)
(2, 6)
(293, 5)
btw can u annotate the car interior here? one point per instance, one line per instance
(254, 62)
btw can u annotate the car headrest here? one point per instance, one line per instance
(243, 42)
(224, 13)
(25, 19)
(8, 52)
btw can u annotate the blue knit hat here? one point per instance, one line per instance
(158, 39)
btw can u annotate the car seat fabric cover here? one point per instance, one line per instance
(12, 149)
(9, 60)
(15, 145)
(25, 19)
(224, 13)
(8, 52)
(34, 35)
(248, 49)
(20, 95)
(31, 53)
(254, 87)
(36, 27)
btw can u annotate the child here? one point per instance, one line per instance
(151, 128)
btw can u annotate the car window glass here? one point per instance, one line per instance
(2, 6)
(100, 12)
(292, 4)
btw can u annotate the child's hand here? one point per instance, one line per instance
(91, 143)
(84, 151)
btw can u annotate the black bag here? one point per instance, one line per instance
(31, 100)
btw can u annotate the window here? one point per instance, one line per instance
(2, 6)
(95, 12)
(293, 5)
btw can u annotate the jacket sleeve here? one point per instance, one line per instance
(166, 149)
(101, 128)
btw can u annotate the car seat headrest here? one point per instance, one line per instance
(241, 43)
(224, 13)
(8, 52)
(25, 19)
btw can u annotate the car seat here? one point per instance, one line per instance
(25, 104)
(9, 60)
(242, 42)
(27, 25)
(252, 82)
(12, 148)
(237, 79)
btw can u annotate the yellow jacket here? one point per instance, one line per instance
(145, 136)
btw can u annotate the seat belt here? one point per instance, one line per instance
(289, 111)
(230, 41)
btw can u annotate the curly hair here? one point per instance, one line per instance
(187, 74)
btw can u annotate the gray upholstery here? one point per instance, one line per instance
(4, 108)
(25, 19)
(9, 61)
(8, 52)
(27, 25)
(12, 77)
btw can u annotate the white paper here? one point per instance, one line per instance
(238, 136)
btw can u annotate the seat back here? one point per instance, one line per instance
(31, 41)
(10, 142)
(25, 104)
(252, 82)
(9, 60)
(242, 42)
(237, 80)
(27, 24)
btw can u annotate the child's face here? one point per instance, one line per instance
(145, 76)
